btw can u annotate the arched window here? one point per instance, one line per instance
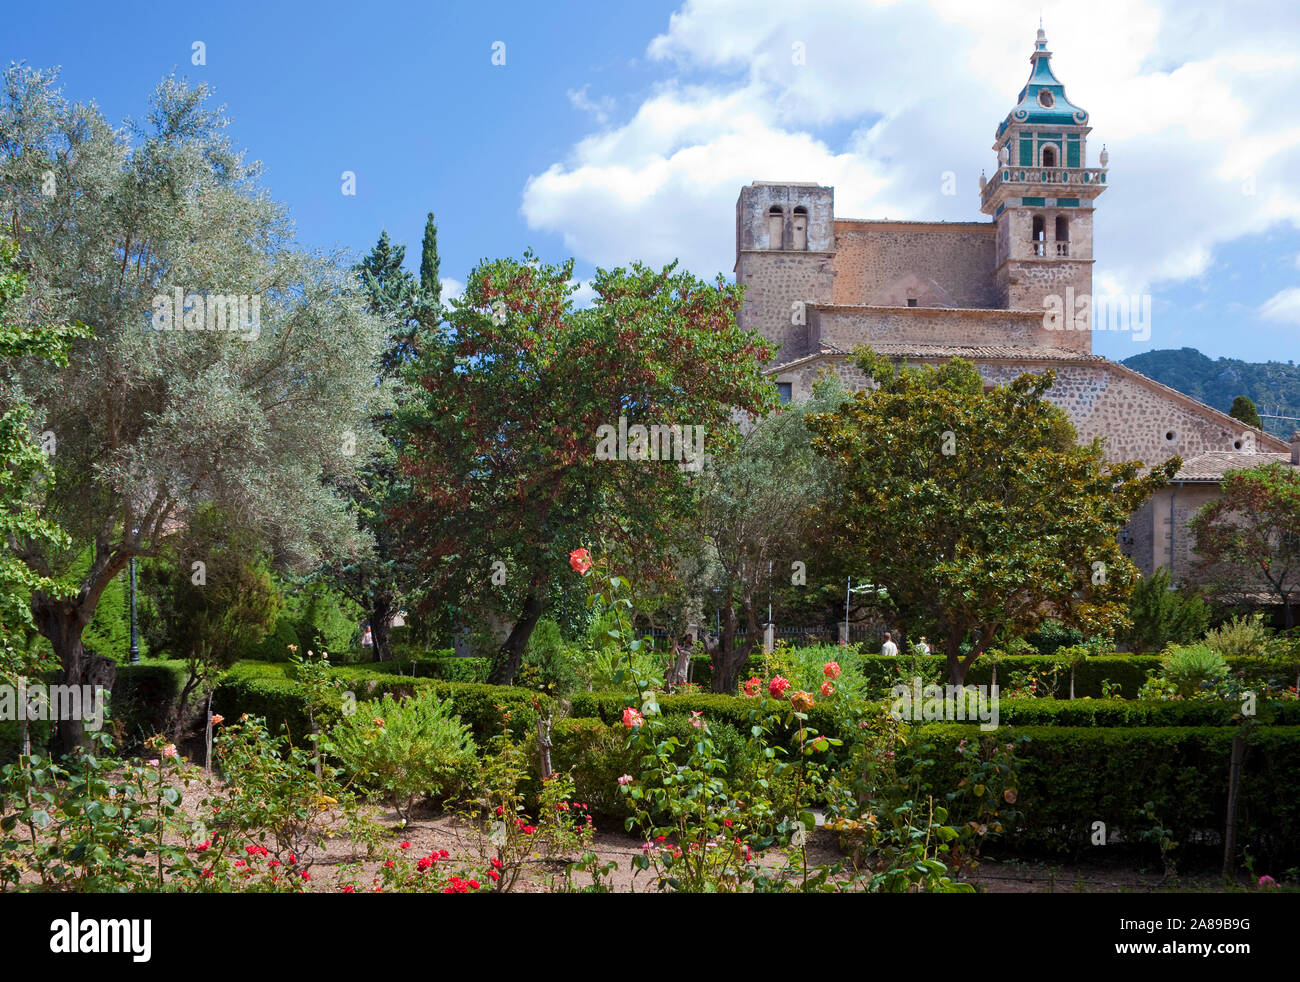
(1039, 236)
(1062, 235)
(775, 226)
(800, 228)
(1049, 156)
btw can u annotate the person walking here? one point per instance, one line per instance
(889, 648)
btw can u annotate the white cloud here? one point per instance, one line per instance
(451, 288)
(599, 109)
(1192, 101)
(1283, 306)
(585, 295)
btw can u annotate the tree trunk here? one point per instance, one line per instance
(729, 660)
(62, 622)
(381, 615)
(956, 669)
(511, 653)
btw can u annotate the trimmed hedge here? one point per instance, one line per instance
(1119, 712)
(1075, 776)
(447, 667)
(732, 710)
(596, 754)
(142, 697)
(265, 690)
(1129, 671)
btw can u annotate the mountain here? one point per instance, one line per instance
(1273, 386)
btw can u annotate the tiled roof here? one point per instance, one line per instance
(923, 350)
(1213, 465)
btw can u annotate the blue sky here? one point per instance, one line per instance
(616, 132)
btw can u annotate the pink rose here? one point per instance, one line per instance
(632, 718)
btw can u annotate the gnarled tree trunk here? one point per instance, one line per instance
(381, 633)
(511, 653)
(62, 622)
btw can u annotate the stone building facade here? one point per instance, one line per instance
(1012, 294)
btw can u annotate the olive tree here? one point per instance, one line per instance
(227, 367)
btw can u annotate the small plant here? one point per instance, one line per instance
(1161, 836)
(404, 749)
(1192, 669)
(1241, 637)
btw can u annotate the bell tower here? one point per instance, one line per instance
(1041, 197)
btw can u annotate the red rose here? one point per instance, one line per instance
(580, 560)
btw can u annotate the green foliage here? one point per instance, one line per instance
(978, 512)
(324, 619)
(511, 393)
(549, 665)
(404, 748)
(209, 623)
(26, 468)
(92, 825)
(1161, 616)
(109, 630)
(1247, 538)
(264, 690)
(1243, 636)
(1244, 409)
(1192, 669)
(274, 646)
(1108, 774)
(150, 420)
(755, 514)
(277, 797)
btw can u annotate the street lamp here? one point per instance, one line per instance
(135, 643)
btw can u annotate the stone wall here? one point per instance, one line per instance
(1139, 419)
(773, 282)
(848, 327)
(958, 256)
(777, 276)
(1186, 501)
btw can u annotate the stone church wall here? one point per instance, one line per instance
(960, 257)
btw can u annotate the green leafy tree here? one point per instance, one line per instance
(378, 579)
(977, 511)
(208, 615)
(26, 466)
(1160, 615)
(1244, 409)
(157, 415)
(430, 295)
(755, 514)
(1249, 537)
(501, 443)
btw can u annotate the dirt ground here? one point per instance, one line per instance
(430, 830)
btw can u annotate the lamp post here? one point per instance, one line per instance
(135, 644)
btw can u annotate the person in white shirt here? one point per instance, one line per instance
(889, 648)
(922, 646)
